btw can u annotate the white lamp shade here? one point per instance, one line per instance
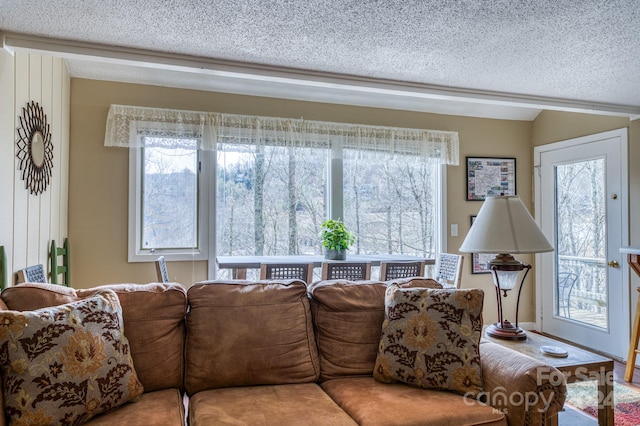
(504, 225)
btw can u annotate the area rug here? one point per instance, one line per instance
(584, 396)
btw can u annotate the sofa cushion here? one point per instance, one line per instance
(347, 317)
(159, 408)
(67, 363)
(371, 403)
(431, 338)
(242, 333)
(277, 405)
(153, 321)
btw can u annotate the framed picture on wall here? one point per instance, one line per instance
(490, 177)
(479, 261)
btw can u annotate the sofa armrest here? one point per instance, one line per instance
(527, 391)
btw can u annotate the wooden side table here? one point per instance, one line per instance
(633, 345)
(633, 258)
(580, 365)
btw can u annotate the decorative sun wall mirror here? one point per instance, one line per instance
(35, 150)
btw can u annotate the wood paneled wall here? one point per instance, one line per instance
(29, 222)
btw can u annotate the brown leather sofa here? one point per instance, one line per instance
(282, 353)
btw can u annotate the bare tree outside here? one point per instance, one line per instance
(170, 194)
(581, 238)
(293, 203)
(283, 188)
(393, 199)
(271, 200)
(258, 200)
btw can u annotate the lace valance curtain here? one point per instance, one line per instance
(126, 123)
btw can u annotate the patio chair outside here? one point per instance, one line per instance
(566, 281)
(395, 270)
(351, 271)
(287, 271)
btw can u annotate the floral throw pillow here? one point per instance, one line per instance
(430, 339)
(65, 364)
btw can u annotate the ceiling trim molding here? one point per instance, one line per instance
(13, 42)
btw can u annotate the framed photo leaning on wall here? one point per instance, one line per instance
(490, 177)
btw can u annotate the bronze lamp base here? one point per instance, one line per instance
(506, 331)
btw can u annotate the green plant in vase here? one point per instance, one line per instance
(336, 239)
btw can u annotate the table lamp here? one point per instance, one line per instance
(504, 226)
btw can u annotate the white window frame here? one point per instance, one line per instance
(138, 254)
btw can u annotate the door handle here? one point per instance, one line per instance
(613, 264)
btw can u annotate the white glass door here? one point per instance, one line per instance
(582, 204)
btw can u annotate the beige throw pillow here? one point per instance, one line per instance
(66, 364)
(430, 339)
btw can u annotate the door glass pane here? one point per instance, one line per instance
(581, 281)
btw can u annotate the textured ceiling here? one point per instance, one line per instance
(567, 50)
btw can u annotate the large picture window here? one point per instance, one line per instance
(273, 200)
(207, 184)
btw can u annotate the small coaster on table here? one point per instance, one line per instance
(554, 351)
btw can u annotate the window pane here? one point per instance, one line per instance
(170, 194)
(390, 203)
(270, 200)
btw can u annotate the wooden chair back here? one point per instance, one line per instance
(57, 269)
(449, 269)
(352, 271)
(161, 270)
(287, 271)
(395, 270)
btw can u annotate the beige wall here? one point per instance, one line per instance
(99, 176)
(555, 126)
(29, 222)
